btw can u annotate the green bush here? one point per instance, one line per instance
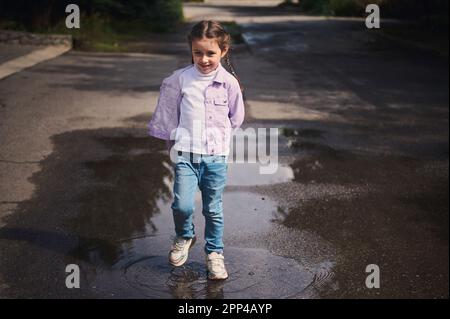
(430, 10)
(315, 6)
(40, 15)
(165, 15)
(96, 31)
(345, 8)
(336, 7)
(106, 25)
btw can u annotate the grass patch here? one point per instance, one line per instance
(98, 33)
(105, 25)
(11, 25)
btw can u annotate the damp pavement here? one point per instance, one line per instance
(362, 172)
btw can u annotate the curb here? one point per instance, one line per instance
(27, 38)
(33, 58)
(54, 45)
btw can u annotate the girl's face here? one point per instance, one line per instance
(207, 54)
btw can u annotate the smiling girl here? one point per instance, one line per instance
(198, 108)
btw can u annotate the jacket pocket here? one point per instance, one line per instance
(221, 101)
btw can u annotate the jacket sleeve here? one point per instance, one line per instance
(166, 116)
(236, 105)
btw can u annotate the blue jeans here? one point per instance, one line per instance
(208, 172)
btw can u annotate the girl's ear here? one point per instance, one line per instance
(224, 52)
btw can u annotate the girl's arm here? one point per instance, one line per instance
(236, 105)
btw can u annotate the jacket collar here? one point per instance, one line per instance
(221, 74)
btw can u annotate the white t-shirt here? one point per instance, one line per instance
(191, 131)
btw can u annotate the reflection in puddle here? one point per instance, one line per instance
(251, 164)
(306, 133)
(247, 174)
(254, 273)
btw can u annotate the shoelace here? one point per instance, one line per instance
(179, 244)
(217, 262)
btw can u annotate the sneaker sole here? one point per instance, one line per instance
(181, 263)
(216, 278)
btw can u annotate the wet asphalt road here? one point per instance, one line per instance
(362, 178)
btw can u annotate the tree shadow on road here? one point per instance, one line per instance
(98, 188)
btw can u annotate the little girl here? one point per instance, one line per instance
(198, 108)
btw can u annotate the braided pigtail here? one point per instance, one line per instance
(231, 67)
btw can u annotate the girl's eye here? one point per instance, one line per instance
(199, 53)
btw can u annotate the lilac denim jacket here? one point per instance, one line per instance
(224, 107)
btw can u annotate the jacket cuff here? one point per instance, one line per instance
(158, 134)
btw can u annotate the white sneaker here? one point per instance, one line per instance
(180, 250)
(216, 266)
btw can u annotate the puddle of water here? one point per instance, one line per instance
(306, 133)
(140, 268)
(247, 174)
(240, 208)
(254, 273)
(249, 168)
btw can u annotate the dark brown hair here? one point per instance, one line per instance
(213, 30)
